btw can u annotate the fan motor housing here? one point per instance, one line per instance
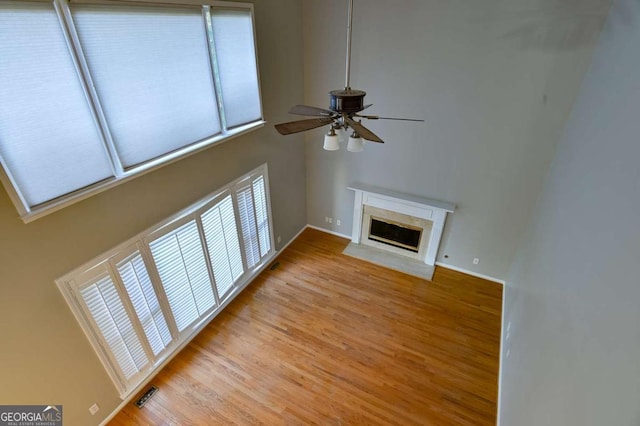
(347, 100)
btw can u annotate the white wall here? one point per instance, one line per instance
(494, 80)
(573, 293)
(44, 356)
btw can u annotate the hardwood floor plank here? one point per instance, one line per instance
(324, 338)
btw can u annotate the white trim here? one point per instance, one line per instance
(284, 247)
(423, 208)
(266, 262)
(141, 243)
(68, 200)
(192, 334)
(468, 272)
(122, 174)
(337, 234)
(500, 358)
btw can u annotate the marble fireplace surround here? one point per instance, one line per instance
(423, 209)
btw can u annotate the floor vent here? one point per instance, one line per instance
(146, 396)
(275, 266)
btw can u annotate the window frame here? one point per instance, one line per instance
(106, 265)
(121, 174)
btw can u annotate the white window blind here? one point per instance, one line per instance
(180, 261)
(139, 302)
(235, 50)
(102, 300)
(262, 218)
(49, 142)
(221, 235)
(135, 278)
(248, 224)
(93, 94)
(155, 86)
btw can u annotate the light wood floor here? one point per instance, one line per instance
(328, 339)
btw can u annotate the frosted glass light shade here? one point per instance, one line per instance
(355, 144)
(331, 142)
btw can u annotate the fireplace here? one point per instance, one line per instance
(389, 226)
(395, 234)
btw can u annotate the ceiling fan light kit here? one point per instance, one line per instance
(344, 106)
(355, 144)
(331, 141)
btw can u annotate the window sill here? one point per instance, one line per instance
(69, 199)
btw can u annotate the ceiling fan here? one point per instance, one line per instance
(343, 111)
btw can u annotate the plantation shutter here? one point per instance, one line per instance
(248, 224)
(221, 235)
(182, 267)
(104, 304)
(236, 58)
(262, 217)
(145, 302)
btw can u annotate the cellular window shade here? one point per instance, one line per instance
(248, 224)
(262, 218)
(221, 235)
(180, 261)
(145, 302)
(103, 302)
(236, 57)
(49, 142)
(152, 72)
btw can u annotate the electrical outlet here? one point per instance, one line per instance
(509, 326)
(508, 354)
(279, 239)
(326, 219)
(508, 335)
(330, 220)
(338, 222)
(476, 260)
(94, 409)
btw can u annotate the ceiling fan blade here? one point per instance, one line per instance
(363, 131)
(311, 110)
(366, 106)
(302, 125)
(375, 117)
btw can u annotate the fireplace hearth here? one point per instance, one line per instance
(397, 230)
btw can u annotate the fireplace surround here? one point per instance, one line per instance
(419, 220)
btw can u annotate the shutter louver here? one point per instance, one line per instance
(180, 261)
(262, 218)
(145, 302)
(248, 224)
(142, 300)
(221, 235)
(105, 306)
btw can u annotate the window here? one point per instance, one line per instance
(141, 301)
(93, 94)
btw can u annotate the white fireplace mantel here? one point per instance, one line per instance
(423, 208)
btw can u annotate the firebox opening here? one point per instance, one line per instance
(395, 234)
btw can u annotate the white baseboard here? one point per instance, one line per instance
(473, 274)
(291, 240)
(501, 367)
(193, 334)
(337, 234)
